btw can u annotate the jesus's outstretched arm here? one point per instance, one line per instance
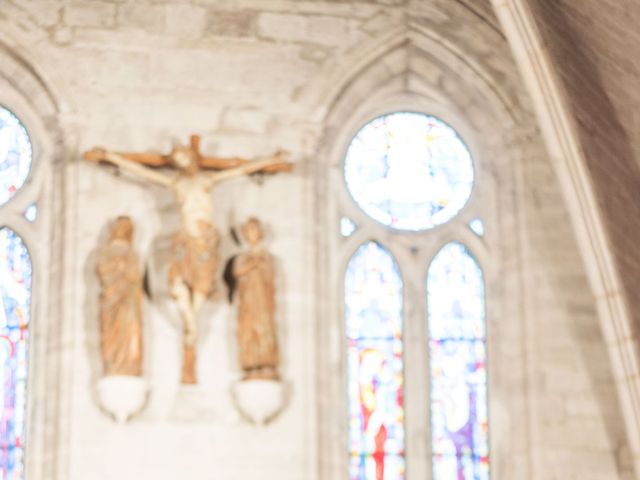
(276, 163)
(130, 166)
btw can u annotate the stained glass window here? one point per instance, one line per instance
(373, 309)
(409, 171)
(15, 301)
(477, 226)
(347, 227)
(15, 155)
(31, 212)
(457, 352)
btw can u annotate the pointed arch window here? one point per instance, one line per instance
(457, 357)
(410, 174)
(373, 308)
(15, 306)
(15, 296)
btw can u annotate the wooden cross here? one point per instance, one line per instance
(195, 257)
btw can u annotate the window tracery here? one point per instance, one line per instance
(431, 185)
(409, 171)
(15, 155)
(15, 298)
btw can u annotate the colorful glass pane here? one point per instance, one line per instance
(15, 301)
(15, 155)
(373, 309)
(457, 352)
(409, 171)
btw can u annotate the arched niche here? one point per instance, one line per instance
(25, 92)
(418, 71)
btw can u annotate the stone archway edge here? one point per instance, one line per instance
(561, 138)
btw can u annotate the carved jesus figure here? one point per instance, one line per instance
(195, 259)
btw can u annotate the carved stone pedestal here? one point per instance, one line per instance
(259, 401)
(122, 396)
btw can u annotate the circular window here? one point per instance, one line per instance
(409, 171)
(15, 155)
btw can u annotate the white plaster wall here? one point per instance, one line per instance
(253, 76)
(183, 432)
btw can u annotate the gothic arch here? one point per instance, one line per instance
(24, 91)
(409, 68)
(405, 53)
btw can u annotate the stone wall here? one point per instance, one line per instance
(253, 76)
(594, 47)
(577, 428)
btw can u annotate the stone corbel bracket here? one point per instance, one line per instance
(259, 401)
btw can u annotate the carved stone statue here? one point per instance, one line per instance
(253, 273)
(120, 303)
(195, 259)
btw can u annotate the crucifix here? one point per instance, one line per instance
(194, 263)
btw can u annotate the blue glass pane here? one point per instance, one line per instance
(373, 289)
(409, 171)
(15, 301)
(373, 308)
(457, 352)
(347, 227)
(31, 212)
(378, 467)
(15, 155)
(477, 226)
(455, 295)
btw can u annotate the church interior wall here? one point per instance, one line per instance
(255, 76)
(607, 124)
